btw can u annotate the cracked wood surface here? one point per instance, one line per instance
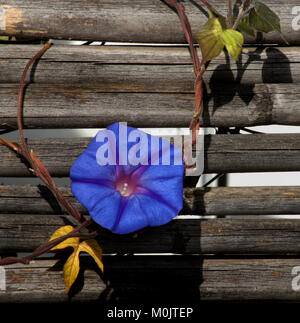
(146, 21)
(229, 236)
(124, 280)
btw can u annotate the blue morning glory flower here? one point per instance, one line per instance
(128, 179)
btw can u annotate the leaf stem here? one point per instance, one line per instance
(210, 7)
(229, 14)
(246, 4)
(244, 10)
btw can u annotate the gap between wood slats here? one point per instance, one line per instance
(138, 21)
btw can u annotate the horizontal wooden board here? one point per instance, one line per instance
(87, 106)
(130, 21)
(222, 153)
(146, 69)
(221, 236)
(124, 280)
(267, 200)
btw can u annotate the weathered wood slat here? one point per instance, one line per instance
(29, 199)
(25, 233)
(200, 280)
(223, 153)
(129, 21)
(148, 69)
(86, 106)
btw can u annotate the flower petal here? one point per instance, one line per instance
(166, 180)
(86, 166)
(142, 211)
(91, 194)
(168, 191)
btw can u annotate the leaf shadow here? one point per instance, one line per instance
(49, 197)
(223, 85)
(276, 68)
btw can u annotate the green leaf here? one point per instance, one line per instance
(244, 27)
(213, 37)
(233, 41)
(262, 18)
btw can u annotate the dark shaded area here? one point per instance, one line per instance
(146, 283)
(215, 311)
(223, 86)
(142, 281)
(276, 68)
(48, 196)
(195, 201)
(190, 181)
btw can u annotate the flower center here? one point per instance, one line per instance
(125, 188)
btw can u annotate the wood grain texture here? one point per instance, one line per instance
(200, 280)
(30, 199)
(129, 21)
(147, 85)
(146, 69)
(222, 153)
(86, 106)
(224, 236)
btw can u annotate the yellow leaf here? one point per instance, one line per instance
(92, 247)
(209, 39)
(71, 269)
(233, 41)
(70, 242)
(213, 37)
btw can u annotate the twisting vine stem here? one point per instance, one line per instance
(49, 245)
(38, 168)
(244, 10)
(40, 171)
(199, 67)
